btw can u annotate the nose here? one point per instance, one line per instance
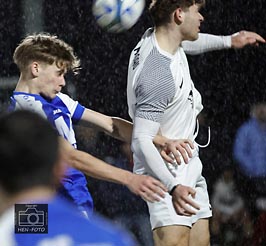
(62, 81)
(201, 17)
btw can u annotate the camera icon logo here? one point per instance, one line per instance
(31, 217)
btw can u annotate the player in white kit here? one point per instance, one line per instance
(162, 98)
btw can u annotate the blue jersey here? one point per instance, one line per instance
(62, 112)
(65, 228)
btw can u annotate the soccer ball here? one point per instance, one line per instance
(117, 15)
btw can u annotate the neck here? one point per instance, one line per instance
(26, 85)
(31, 195)
(168, 38)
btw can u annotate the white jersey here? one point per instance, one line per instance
(161, 94)
(165, 85)
(177, 96)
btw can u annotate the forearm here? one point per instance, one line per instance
(114, 126)
(206, 43)
(121, 129)
(93, 166)
(143, 147)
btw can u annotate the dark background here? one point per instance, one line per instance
(230, 81)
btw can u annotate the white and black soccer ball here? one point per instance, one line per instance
(117, 15)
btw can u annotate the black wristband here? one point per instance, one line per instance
(172, 190)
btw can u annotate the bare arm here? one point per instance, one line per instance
(122, 129)
(141, 185)
(116, 127)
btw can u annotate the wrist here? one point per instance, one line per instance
(234, 40)
(173, 189)
(160, 141)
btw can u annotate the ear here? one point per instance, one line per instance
(179, 16)
(35, 69)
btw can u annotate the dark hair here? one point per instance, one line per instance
(161, 10)
(28, 151)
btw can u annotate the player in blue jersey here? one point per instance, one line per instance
(43, 60)
(30, 169)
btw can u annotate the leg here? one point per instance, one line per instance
(199, 234)
(171, 236)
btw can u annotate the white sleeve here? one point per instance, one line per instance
(142, 145)
(69, 102)
(205, 43)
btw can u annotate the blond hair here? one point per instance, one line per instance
(46, 48)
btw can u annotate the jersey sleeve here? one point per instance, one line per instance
(154, 91)
(206, 43)
(143, 148)
(75, 108)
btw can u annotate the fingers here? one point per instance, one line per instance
(152, 195)
(254, 36)
(182, 202)
(191, 203)
(179, 148)
(185, 152)
(176, 155)
(167, 157)
(149, 196)
(189, 142)
(183, 209)
(161, 187)
(148, 188)
(243, 38)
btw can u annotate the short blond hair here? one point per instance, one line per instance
(46, 48)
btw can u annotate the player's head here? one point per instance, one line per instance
(47, 49)
(44, 59)
(28, 152)
(185, 13)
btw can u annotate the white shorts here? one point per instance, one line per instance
(163, 213)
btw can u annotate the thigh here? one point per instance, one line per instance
(174, 235)
(199, 234)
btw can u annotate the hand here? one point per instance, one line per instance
(182, 202)
(149, 188)
(174, 149)
(243, 38)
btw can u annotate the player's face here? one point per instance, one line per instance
(51, 80)
(191, 25)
